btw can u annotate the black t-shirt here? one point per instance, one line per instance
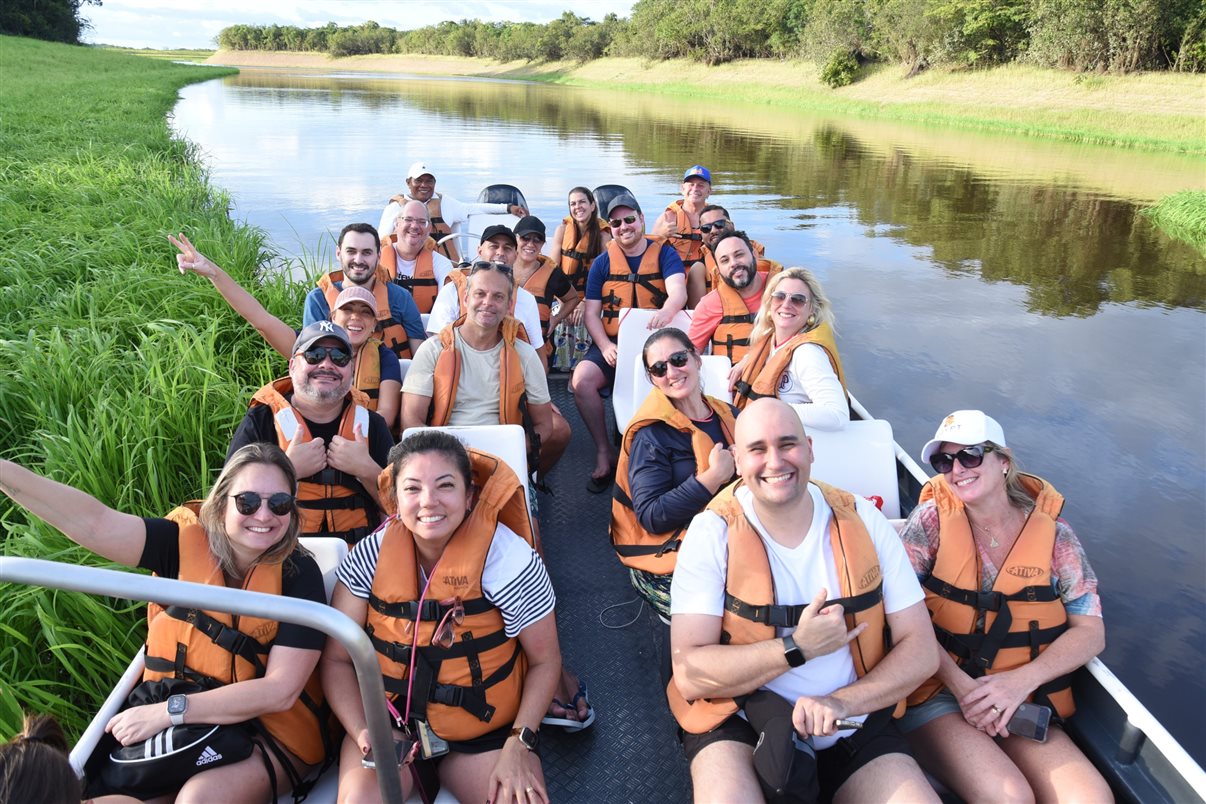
(558, 284)
(259, 427)
(300, 578)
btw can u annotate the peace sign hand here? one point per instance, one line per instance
(189, 259)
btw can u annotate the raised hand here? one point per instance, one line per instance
(309, 457)
(720, 468)
(189, 259)
(351, 455)
(823, 630)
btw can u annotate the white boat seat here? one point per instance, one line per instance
(715, 372)
(861, 458)
(404, 362)
(328, 551)
(634, 331)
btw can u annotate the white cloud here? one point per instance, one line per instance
(162, 24)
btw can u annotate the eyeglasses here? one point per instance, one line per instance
(487, 265)
(442, 637)
(678, 360)
(798, 299)
(531, 238)
(616, 222)
(969, 458)
(339, 356)
(721, 225)
(248, 502)
(407, 221)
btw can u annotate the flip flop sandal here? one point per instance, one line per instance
(598, 485)
(568, 723)
(580, 695)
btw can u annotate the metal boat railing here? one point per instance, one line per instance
(321, 617)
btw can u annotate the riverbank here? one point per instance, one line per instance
(120, 377)
(1157, 111)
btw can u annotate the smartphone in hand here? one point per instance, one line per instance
(1031, 721)
(404, 749)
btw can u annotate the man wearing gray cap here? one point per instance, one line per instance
(634, 271)
(446, 212)
(336, 444)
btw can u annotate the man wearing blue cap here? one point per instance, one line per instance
(680, 221)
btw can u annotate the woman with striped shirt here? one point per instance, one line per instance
(463, 596)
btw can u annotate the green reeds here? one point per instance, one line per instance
(117, 374)
(1183, 216)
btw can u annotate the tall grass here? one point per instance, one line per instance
(117, 375)
(1183, 216)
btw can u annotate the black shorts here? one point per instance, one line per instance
(595, 355)
(834, 764)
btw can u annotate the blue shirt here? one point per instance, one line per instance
(402, 308)
(668, 262)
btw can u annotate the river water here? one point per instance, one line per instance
(967, 271)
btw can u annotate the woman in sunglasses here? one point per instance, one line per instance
(580, 237)
(470, 677)
(244, 536)
(378, 373)
(793, 354)
(674, 458)
(1014, 602)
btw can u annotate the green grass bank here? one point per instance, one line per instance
(117, 375)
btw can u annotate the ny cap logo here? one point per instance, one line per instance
(326, 326)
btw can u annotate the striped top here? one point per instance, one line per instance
(514, 578)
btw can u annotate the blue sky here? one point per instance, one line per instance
(166, 24)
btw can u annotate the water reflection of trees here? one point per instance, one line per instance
(1073, 249)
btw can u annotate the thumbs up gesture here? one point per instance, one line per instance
(351, 455)
(309, 457)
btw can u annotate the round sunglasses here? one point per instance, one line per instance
(678, 360)
(339, 356)
(968, 457)
(248, 502)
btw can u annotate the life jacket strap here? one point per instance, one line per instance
(400, 652)
(432, 611)
(989, 601)
(748, 318)
(686, 236)
(228, 639)
(965, 646)
(789, 616)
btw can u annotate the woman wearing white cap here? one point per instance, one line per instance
(1014, 603)
(378, 373)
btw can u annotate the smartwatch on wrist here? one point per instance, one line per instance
(177, 705)
(528, 738)
(792, 652)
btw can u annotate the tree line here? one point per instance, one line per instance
(51, 20)
(841, 35)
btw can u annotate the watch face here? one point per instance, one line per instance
(177, 704)
(529, 738)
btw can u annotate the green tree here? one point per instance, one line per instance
(53, 20)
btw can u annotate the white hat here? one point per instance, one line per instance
(418, 169)
(965, 427)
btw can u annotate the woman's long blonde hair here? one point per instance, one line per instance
(213, 510)
(821, 307)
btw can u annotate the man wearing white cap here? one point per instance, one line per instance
(447, 213)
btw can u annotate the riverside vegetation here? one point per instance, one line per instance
(117, 375)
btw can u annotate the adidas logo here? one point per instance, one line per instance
(207, 756)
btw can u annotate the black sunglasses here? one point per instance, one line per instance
(248, 502)
(678, 360)
(629, 219)
(721, 224)
(969, 458)
(339, 356)
(486, 265)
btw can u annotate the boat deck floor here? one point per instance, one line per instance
(631, 753)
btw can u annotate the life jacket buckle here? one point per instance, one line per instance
(1031, 594)
(988, 601)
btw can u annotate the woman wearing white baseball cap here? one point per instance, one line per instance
(1014, 603)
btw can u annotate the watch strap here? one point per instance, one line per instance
(792, 652)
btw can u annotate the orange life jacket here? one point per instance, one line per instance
(575, 255)
(761, 263)
(367, 376)
(989, 632)
(752, 614)
(732, 334)
(475, 686)
(686, 237)
(645, 289)
(763, 371)
(391, 331)
(215, 647)
(422, 286)
(538, 285)
(637, 547)
(331, 502)
(439, 227)
(460, 278)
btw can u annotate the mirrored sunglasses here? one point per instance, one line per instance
(248, 502)
(798, 299)
(617, 222)
(339, 356)
(678, 360)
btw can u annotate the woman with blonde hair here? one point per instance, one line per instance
(793, 355)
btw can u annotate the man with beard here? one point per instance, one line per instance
(725, 317)
(715, 221)
(399, 324)
(337, 445)
(445, 211)
(477, 371)
(409, 257)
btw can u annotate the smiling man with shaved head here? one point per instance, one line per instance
(808, 583)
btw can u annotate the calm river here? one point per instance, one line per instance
(967, 271)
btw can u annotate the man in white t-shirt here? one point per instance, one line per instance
(476, 397)
(760, 525)
(498, 244)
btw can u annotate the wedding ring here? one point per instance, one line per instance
(997, 709)
(528, 790)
